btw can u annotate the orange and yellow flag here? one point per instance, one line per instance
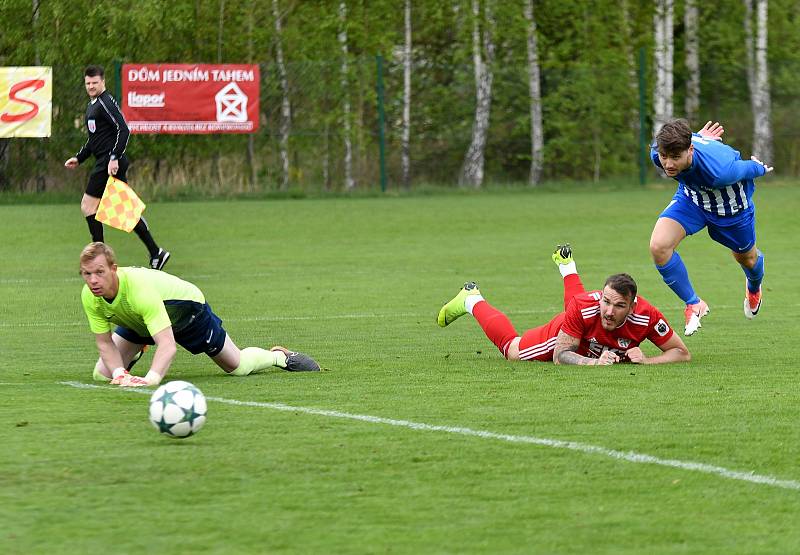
(120, 207)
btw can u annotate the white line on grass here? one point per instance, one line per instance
(629, 456)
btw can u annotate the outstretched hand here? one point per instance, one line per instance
(133, 381)
(712, 131)
(767, 168)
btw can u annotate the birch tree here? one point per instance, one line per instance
(692, 42)
(534, 85)
(405, 161)
(286, 107)
(663, 53)
(762, 104)
(349, 183)
(472, 168)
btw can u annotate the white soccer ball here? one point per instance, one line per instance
(178, 409)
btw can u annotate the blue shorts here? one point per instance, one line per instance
(203, 334)
(738, 233)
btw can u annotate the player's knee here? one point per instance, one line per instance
(511, 352)
(660, 252)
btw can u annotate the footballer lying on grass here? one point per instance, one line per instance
(596, 327)
(153, 307)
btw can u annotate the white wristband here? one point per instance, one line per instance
(117, 372)
(153, 377)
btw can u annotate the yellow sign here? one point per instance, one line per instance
(120, 207)
(26, 101)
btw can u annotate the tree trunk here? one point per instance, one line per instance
(762, 129)
(692, 61)
(662, 93)
(286, 108)
(349, 183)
(633, 69)
(534, 84)
(472, 168)
(750, 53)
(405, 161)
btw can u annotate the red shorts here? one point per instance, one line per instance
(539, 343)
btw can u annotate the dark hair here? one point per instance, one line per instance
(623, 284)
(94, 71)
(674, 137)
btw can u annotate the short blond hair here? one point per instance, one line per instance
(93, 250)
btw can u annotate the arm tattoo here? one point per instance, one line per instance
(565, 351)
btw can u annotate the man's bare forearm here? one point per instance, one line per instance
(571, 357)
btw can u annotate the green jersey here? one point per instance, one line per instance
(148, 301)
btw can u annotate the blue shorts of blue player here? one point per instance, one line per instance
(682, 217)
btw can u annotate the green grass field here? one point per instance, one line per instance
(374, 457)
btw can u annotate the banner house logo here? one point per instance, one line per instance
(138, 100)
(231, 103)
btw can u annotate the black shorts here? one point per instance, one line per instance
(99, 175)
(203, 334)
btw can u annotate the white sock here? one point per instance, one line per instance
(567, 269)
(471, 301)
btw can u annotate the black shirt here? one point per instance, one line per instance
(108, 132)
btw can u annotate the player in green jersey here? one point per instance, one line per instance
(129, 307)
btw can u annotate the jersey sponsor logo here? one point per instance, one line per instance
(92, 125)
(623, 342)
(597, 349)
(662, 328)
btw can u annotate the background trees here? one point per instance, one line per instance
(563, 100)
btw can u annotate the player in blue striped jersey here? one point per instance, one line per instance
(715, 190)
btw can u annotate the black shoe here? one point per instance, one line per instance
(160, 260)
(298, 362)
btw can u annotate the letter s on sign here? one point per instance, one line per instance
(36, 84)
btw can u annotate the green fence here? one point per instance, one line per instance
(592, 122)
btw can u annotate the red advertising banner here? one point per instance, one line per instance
(190, 98)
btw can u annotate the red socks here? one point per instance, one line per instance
(572, 287)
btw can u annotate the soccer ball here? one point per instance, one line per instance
(178, 409)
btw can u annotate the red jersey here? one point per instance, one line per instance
(582, 319)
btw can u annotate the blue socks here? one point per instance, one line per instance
(756, 275)
(677, 278)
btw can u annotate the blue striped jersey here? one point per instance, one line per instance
(718, 181)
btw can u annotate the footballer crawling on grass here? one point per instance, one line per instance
(129, 308)
(596, 328)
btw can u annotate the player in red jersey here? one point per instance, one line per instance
(596, 328)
